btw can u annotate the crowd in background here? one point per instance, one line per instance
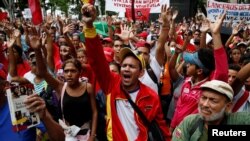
(82, 77)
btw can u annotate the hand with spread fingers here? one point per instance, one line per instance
(166, 15)
(35, 40)
(204, 26)
(34, 103)
(126, 32)
(216, 26)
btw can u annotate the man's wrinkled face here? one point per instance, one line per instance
(212, 105)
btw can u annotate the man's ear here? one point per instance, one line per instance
(229, 107)
(141, 73)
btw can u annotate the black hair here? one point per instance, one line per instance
(197, 30)
(18, 49)
(206, 56)
(115, 64)
(230, 60)
(2, 32)
(75, 62)
(234, 67)
(246, 58)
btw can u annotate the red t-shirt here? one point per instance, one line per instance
(22, 68)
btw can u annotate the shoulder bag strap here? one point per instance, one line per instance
(137, 110)
(62, 95)
(151, 74)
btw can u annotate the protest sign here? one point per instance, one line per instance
(236, 12)
(121, 5)
(141, 14)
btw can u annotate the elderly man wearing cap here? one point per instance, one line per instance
(123, 123)
(214, 109)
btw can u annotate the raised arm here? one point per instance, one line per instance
(110, 28)
(215, 29)
(220, 56)
(240, 79)
(234, 32)
(204, 28)
(94, 48)
(172, 64)
(160, 50)
(172, 34)
(41, 65)
(17, 35)
(49, 49)
(11, 57)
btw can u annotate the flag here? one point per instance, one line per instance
(3, 15)
(36, 11)
(141, 14)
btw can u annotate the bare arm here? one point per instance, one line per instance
(12, 60)
(49, 50)
(204, 28)
(241, 77)
(215, 30)
(160, 50)
(17, 35)
(94, 110)
(41, 65)
(234, 32)
(110, 28)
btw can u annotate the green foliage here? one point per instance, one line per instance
(63, 6)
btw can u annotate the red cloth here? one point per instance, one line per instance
(22, 68)
(3, 74)
(36, 11)
(109, 54)
(190, 47)
(3, 15)
(3, 59)
(56, 53)
(141, 14)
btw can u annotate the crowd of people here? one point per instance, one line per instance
(180, 75)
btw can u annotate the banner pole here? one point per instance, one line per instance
(133, 10)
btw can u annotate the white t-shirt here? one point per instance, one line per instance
(126, 115)
(146, 79)
(30, 76)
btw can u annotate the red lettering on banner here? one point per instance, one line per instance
(222, 6)
(136, 1)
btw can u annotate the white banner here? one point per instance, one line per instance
(121, 5)
(236, 12)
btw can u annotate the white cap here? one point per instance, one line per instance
(220, 87)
